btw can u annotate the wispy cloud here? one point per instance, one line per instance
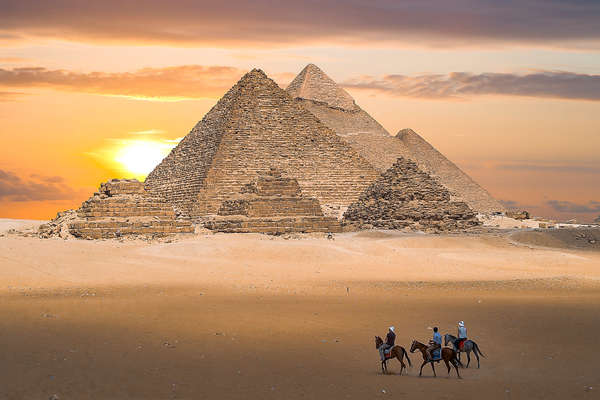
(552, 84)
(149, 132)
(186, 81)
(198, 81)
(33, 187)
(570, 207)
(264, 22)
(10, 96)
(561, 168)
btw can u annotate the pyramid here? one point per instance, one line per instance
(451, 176)
(335, 108)
(257, 126)
(405, 197)
(121, 207)
(272, 204)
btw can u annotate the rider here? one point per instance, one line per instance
(434, 344)
(389, 343)
(462, 335)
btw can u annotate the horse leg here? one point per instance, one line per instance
(477, 356)
(468, 358)
(447, 366)
(383, 367)
(433, 368)
(402, 365)
(422, 365)
(456, 368)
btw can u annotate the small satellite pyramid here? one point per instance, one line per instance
(335, 108)
(255, 127)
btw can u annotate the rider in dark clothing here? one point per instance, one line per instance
(389, 343)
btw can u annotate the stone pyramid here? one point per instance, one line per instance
(257, 126)
(335, 108)
(405, 197)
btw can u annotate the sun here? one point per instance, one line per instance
(139, 157)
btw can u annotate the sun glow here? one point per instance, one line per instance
(139, 157)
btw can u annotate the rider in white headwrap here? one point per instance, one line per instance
(462, 331)
(389, 342)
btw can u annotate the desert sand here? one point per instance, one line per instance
(234, 316)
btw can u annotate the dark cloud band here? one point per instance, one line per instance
(33, 188)
(196, 81)
(264, 22)
(555, 84)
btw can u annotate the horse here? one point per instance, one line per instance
(396, 352)
(448, 355)
(468, 346)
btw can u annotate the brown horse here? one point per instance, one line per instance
(397, 352)
(448, 355)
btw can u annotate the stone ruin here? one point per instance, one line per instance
(121, 207)
(404, 197)
(272, 204)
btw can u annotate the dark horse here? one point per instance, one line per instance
(448, 355)
(468, 346)
(395, 352)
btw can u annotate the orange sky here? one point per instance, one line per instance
(520, 114)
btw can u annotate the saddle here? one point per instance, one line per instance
(388, 353)
(460, 343)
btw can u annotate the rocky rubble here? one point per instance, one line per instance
(121, 207)
(404, 197)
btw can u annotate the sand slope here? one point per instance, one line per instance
(251, 316)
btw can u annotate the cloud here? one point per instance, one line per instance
(186, 81)
(570, 207)
(197, 81)
(551, 84)
(567, 168)
(10, 96)
(33, 188)
(12, 60)
(265, 22)
(149, 132)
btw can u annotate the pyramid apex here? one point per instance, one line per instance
(313, 84)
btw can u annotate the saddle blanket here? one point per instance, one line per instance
(388, 352)
(460, 344)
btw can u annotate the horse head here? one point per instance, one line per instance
(378, 342)
(413, 346)
(448, 338)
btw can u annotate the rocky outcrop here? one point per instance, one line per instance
(404, 197)
(119, 208)
(272, 204)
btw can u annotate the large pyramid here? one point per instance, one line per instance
(257, 126)
(335, 108)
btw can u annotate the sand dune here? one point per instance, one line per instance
(252, 316)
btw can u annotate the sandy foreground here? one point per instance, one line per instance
(252, 316)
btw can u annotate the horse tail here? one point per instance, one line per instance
(476, 347)
(406, 355)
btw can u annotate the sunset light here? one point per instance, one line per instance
(139, 157)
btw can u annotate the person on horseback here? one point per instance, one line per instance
(390, 339)
(462, 335)
(434, 344)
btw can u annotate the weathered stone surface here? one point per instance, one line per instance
(522, 214)
(375, 144)
(257, 125)
(404, 197)
(119, 208)
(272, 204)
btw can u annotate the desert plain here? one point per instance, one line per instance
(241, 316)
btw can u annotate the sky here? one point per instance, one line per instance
(508, 90)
